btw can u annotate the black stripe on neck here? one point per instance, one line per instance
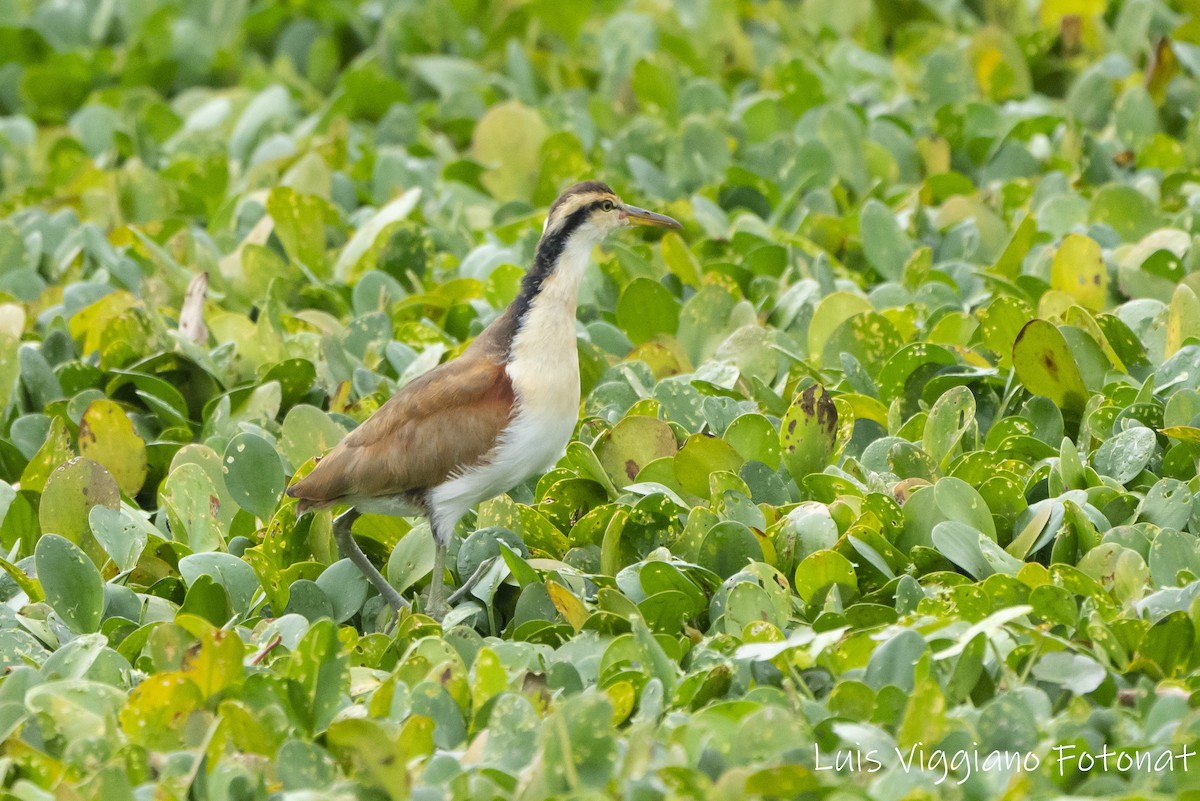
(549, 251)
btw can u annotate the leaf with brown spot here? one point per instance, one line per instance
(106, 435)
(1078, 269)
(632, 444)
(1045, 366)
(808, 432)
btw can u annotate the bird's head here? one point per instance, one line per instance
(590, 210)
(578, 220)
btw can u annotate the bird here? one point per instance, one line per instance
(477, 425)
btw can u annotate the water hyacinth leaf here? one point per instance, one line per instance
(300, 225)
(412, 559)
(375, 753)
(71, 493)
(209, 462)
(729, 547)
(632, 444)
(949, 419)
(193, 506)
(122, 533)
(831, 312)
(346, 588)
(754, 438)
(1168, 504)
(904, 373)
(808, 433)
(959, 501)
(1174, 558)
(647, 309)
(579, 741)
(1078, 269)
(367, 236)
(155, 707)
(106, 436)
(822, 570)
(308, 600)
(535, 531)
(1125, 455)
(699, 458)
(512, 741)
(1045, 365)
(1130, 213)
(1167, 647)
(233, 574)
(972, 550)
(308, 432)
(869, 337)
(679, 259)
(886, 246)
(507, 141)
(254, 474)
(1001, 322)
(73, 587)
(1183, 319)
(54, 451)
(1075, 672)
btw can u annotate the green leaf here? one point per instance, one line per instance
(300, 221)
(647, 310)
(254, 474)
(412, 558)
(887, 247)
(72, 492)
(951, 416)
(73, 587)
(192, 503)
(225, 569)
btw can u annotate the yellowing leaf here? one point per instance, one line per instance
(106, 436)
(1044, 364)
(488, 676)
(1053, 11)
(508, 140)
(217, 663)
(567, 604)
(1183, 319)
(158, 709)
(1079, 270)
(54, 451)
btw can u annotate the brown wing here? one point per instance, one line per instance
(447, 419)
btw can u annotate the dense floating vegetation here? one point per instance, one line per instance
(887, 462)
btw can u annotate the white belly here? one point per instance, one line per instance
(544, 369)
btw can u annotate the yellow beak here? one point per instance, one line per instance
(635, 216)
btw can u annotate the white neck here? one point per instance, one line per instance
(543, 362)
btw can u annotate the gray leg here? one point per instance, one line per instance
(348, 548)
(437, 587)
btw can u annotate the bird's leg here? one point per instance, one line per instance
(437, 587)
(348, 548)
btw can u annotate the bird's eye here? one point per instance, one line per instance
(607, 205)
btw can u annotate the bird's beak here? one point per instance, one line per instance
(635, 216)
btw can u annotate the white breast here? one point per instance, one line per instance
(544, 369)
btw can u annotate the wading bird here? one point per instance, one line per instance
(480, 424)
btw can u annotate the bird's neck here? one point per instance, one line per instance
(543, 360)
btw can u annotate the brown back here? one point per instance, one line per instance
(444, 421)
